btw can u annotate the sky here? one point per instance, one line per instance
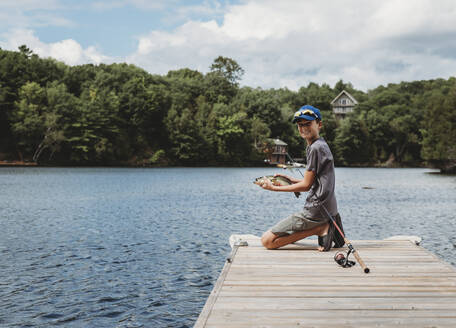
(286, 43)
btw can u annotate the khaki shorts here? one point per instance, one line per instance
(294, 223)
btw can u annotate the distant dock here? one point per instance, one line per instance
(296, 286)
(17, 163)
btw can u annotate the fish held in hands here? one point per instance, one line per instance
(276, 181)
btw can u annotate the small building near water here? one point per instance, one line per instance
(278, 153)
(343, 104)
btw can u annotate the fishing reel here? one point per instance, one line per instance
(342, 259)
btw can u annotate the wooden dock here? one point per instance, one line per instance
(408, 286)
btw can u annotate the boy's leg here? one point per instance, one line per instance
(273, 241)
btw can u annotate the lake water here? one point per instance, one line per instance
(105, 247)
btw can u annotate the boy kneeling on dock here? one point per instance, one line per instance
(319, 180)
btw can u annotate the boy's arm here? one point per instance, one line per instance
(301, 185)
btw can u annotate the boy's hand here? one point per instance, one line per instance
(267, 184)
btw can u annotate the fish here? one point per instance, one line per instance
(276, 180)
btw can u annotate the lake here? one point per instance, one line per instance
(125, 247)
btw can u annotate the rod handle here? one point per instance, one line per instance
(361, 262)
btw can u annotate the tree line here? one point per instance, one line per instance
(119, 114)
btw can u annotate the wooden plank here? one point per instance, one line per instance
(339, 288)
(328, 303)
(205, 313)
(334, 322)
(334, 318)
(313, 255)
(409, 281)
(298, 286)
(283, 314)
(329, 268)
(280, 291)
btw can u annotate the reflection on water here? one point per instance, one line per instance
(121, 247)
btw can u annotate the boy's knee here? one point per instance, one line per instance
(267, 240)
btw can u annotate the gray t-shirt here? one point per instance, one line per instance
(321, 161)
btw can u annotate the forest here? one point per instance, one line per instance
(121, 115)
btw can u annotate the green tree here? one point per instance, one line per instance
(217, 89)
(318, 96)
(380, 134)
(230, 133)
(352, 142)
(143, 107)
(439, 130)
(228, 68)
(23, 49)
(221, 83)
(78, 78)
(52, 138)
(28, 119)
(405, 133)
(187, 144)
(60, 108)
(119, 113)
(95, 136)
(260, 133)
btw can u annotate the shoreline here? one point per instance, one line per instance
(422, 165)
(32, 164)
(18, 163)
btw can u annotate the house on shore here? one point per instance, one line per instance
(278, 155)
(343, 104)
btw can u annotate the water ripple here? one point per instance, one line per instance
(96, 247)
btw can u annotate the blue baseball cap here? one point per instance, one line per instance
(308, 113)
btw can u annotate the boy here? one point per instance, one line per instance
(319, 180)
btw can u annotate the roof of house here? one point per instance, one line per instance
(278, 142)
(347, 94)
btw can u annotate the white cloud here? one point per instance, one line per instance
(69, 51)
(31, 13)
(285, 43)
(142, 4)
(290, 43)
(30, 4)
(151, 4)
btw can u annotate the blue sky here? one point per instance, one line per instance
(113, 26)
(286, 43)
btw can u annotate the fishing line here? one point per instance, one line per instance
(351, 250)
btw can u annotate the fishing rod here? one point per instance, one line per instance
(351, 250)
